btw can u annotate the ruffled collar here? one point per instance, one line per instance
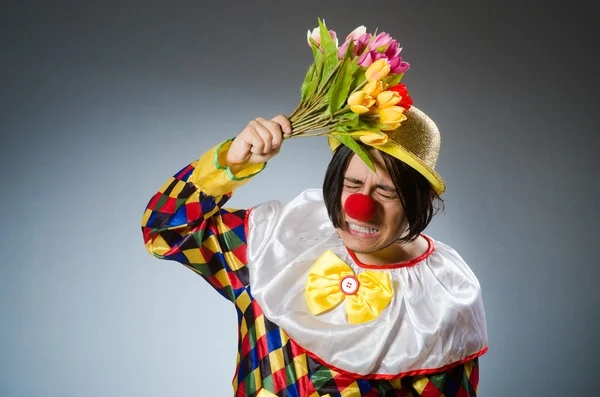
(434, 320)
(412, 262)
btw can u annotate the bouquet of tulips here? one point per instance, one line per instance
(352, 92)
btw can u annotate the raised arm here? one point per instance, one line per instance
(185, 220)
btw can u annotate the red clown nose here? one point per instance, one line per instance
(360, 207)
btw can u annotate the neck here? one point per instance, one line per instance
(395, 253)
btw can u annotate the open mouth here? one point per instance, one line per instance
(361, 231)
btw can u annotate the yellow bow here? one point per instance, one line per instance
(331, 281)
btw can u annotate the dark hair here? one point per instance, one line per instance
(417, 197)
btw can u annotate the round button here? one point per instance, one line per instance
(349, 285)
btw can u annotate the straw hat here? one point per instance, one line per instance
(416, 142)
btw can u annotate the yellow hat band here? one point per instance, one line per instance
(416, 142)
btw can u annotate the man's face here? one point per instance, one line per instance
(389, 222)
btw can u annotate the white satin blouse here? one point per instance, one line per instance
(435, 319)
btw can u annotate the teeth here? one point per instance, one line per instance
(362, 229)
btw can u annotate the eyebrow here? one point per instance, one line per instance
(387, 188)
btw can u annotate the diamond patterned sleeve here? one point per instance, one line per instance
(185, 221)
(460, 381)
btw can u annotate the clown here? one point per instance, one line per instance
(337, 292)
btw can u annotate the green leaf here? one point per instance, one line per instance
(310, 75)
(350, 117)
(330, 51)
(355, 67)
(315, 49)
(369, 124)
(314, 83)
(349, 51)
(359, 77)
(351, 122)
(338, 95)
(317, 55)
(312, 86)
(348, 123)
(393, 79)
(373, 36)
(360, 71)
(356, 148)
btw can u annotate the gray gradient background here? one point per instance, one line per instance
(101, 102)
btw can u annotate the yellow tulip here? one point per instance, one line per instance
(360, 109)
(360, 102)
(373, 139)
(356, 98)
(378, 70)
(393, 114)
(374, 88)
(390, 127)
(387, 99)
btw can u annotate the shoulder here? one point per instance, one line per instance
(448, 260)
(300, 223)
(306, 209)
(457, 288)
(452, 278)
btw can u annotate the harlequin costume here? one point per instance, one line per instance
(314, 320)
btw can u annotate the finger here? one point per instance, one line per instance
(276, 150)
(265, 136)
(275, 129)
(256, 142)
(240, 148)
(284, 122)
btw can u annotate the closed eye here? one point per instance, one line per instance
(388, 197)
(352, 183)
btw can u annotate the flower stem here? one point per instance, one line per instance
(359, 87)
(317, 103)
(316, 126)
(299, 107)
(307, 122)
(309, 113)
(343, 110)
(329, 78)
(322, 133)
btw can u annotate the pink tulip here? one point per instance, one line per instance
(393, 50)
(398, 66)
(316, 36)
(381, 40)
(365, 59)
(356, 33)
(360, 44)
(334, 37)
(343, 49)
(368, 57)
